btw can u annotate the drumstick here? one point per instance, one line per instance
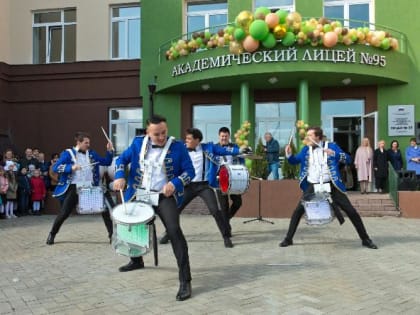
(254, 177)
(106, 136)
(123, 202)
(291, 136)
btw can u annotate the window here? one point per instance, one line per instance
(125, 32)
(339, 108)
(125, 124)
(276, 118)
(209, 118)
(275, 5)
(54, 36)
(206, 15)
(361, 10)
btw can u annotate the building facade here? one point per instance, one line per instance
(351, 91)
(66, 66)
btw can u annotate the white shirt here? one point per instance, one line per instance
(318, 167)
(84, 176)
(198, 163)
(158, 175)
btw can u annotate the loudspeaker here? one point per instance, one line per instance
(407, 180)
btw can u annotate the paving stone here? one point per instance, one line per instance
(327, 271)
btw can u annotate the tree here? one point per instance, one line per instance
(259, 168)
(288, 170)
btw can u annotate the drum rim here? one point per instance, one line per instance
(117, 210)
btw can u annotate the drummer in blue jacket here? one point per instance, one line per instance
(168, 179)
(204, 157)
(319, 163)
(76, 167)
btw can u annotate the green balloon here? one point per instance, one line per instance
(288, 39)
(258, 30)
(207, 35)
(269, 41)
(239, 34)
(385, 44)
(282, 16)
(261, 12)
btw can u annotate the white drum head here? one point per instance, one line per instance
(132, 213)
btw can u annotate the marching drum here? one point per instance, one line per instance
(317, 208)
(133, 229)
(233, 179)
(91, 200)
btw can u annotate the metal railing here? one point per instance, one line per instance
(401, 37)
(393, 184)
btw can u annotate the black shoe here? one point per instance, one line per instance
(228, 242)
(369, 244)
(286, 243)
(164, 239)
(50, 239)
(131, 266)
(184, 291)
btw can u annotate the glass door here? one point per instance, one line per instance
(370, 128)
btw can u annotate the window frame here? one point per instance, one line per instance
(290, 8)
(126, 20)
(207, 13)
(124, 122)
(49, 26)
(346, 8)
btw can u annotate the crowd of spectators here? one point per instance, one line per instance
(24, 182)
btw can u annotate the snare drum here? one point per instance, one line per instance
(233, 179)
(133, 230)
(91, 200)
(317, 209)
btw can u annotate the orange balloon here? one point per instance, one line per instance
(330, 39)
(272, 20)
(250, 44)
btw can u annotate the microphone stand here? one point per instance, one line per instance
(259, 216)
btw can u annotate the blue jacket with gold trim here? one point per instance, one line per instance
(212, 163)
(65, 162)
(333, 162)
(178, 168)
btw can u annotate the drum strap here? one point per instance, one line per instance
(321, 164)
(147, 166)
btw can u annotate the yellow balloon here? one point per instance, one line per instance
(279, 31)
(244, 19)
(235, 48)
(294, 20)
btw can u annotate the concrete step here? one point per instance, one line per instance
(373, 204)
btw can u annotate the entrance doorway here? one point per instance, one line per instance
(346, 132)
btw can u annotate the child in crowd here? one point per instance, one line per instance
(4, 185)
(11, 194)
(24, 191)
(44, 167)
(38, 191)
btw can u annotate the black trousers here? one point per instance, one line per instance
(229, 212)
(380, 182)
(70, 202)
(169, 214)
(205, 192)
(341, 200)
